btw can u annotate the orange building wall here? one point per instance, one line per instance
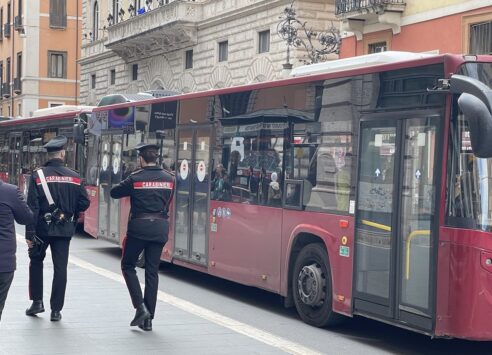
(63, 40)
(444, 34)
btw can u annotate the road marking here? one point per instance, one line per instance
(232, 324)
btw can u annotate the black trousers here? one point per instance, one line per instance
(132, 247)
(59, 254)
(5, 282)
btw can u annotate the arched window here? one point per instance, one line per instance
(95, 21)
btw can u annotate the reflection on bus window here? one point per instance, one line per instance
(252, 163)
(469, 181)
(92, 159)
(325, 170)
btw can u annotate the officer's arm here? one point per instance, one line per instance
(83, 202)
(123, 189)
(20, 209)
(33, 203)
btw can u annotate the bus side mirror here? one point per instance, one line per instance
(475, 102)
(78, 133)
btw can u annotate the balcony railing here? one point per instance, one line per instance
(164, 28)
(6, 30)
(17, 86)
(6, 90)
(345, 6)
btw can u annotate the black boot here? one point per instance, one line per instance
(55, 316)
(36, 307)
(141, 314)
(146, 325)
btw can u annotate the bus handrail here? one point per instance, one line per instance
(407, 248)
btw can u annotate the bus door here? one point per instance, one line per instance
(15, 158)
(109, 176)
(396, 221)
(192, 194)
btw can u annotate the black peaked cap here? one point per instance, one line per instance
(143, 146)
(55, 144)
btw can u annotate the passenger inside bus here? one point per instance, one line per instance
(274, 192)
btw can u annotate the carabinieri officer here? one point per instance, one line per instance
(54, 224)
(150, 189)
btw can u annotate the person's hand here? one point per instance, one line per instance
(29, 243)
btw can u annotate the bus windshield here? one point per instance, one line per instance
(470, 178)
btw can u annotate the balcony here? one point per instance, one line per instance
(17, 86)
(356, 14)
(18, 23)
(163, 29)
(6, 90)
(6, 30)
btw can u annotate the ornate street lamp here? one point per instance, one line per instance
(296, 34)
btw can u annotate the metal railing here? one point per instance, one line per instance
(345, 6)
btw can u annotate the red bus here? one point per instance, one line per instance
(357, 187)
(22, 140)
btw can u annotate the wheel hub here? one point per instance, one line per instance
(311, 285)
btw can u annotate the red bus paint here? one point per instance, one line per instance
(384, 207)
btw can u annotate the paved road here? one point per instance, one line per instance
(196, 313)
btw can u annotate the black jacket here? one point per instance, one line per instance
(12, 207)
(150, 190)
(68, 192)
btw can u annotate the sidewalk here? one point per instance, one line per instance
(96, 320)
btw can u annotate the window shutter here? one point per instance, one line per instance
(63, 12)
(58, 13)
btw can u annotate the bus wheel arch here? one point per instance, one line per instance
(310, 282)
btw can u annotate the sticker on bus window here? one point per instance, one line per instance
(105, 162)
(116, 165)
(201, 171)
(352, 206)
(183, 169)
(344, 251)
(213, 227)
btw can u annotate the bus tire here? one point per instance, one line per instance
(312, 287)
(141, 260)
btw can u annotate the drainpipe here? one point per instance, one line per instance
(76, 56)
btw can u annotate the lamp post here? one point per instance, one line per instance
(296, 34)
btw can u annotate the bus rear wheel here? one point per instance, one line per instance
(312, 288)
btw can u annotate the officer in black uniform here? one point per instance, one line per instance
(53, 225)
(150, 189)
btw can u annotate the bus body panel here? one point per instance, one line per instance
(464, 284)
(91, 215)
(124, 214)
(328, 229)
(246, 245)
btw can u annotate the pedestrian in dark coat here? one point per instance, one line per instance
(150, 189)
(53, 224)
(13, 207)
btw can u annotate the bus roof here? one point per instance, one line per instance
(393, 61)
(60, 109)
(362, 61)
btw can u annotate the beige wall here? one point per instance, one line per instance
(418, 6)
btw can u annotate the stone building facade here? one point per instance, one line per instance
(186, 46)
